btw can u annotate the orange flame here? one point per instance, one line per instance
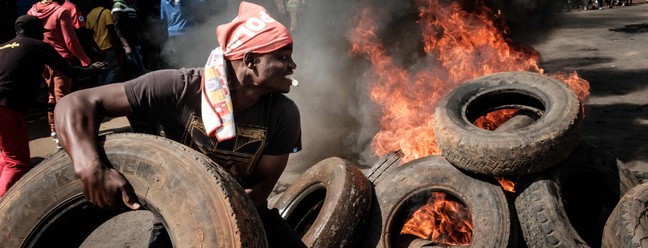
(494, 119)
(506, 184)
(441, 220)
(459, 46)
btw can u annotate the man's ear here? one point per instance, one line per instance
(250, 60)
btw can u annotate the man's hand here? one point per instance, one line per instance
(97, 66)
(108, 188)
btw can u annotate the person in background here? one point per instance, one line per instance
(293, 7)
(59, 32)
(23, 59)
(129, 29)
(101, 23)
(179, 19)
(243, 120)
(85, 37)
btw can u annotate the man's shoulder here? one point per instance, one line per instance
(186, 75)
(22, 40)
(283, 102)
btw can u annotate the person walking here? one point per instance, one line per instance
(234, 110)
(23, 58)
(59, 32)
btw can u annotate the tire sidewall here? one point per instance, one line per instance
(346, 204)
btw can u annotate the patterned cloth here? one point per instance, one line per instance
(216, 106)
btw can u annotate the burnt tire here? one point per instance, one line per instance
(568, 205)
(492, 219)
(383, 166)
(200, 204)
(517, 152)
(328, 204)
(627, 226)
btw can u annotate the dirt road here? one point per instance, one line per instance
(606, 47)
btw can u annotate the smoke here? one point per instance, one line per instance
(337, 116)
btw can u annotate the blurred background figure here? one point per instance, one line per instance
(293, 8)
(103, 29)
(180, 19)
(128, 27)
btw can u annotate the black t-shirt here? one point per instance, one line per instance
(21, 66)
(173, 97)
(126, 22)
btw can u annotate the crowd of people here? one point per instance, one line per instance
(594, 4)
(238, 95)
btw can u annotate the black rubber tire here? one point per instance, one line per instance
(383, 166)
(200, 204)
(517, 152)
(627, 226)
(492, 219)
(328, 204)
(568, 205)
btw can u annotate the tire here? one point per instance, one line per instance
(383, 166)
(517, 152)
(199, 203)
(568, 205)
(627, 226)
(328, 204)
(492, 219)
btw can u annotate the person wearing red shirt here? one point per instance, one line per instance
(59, 32)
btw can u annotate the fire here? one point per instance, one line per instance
(442, 220)
(494, 119)
(506, 184)
(458, 46)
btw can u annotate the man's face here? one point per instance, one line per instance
(273, 68)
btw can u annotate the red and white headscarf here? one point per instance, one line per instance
(253, 30)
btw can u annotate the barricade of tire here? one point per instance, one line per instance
(328, 204)
(567, 206)
(547, 155)
(627, 226)
(200, 204)
(518, 152)
(492, 221)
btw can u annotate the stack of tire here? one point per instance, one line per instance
(565, 190)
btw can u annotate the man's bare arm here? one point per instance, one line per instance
(78, 116)
(266, 174)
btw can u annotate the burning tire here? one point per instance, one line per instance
(568, 205)
(627, 226)
(407, 187)
(328, 204)
(538, 146)
(199, 203)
